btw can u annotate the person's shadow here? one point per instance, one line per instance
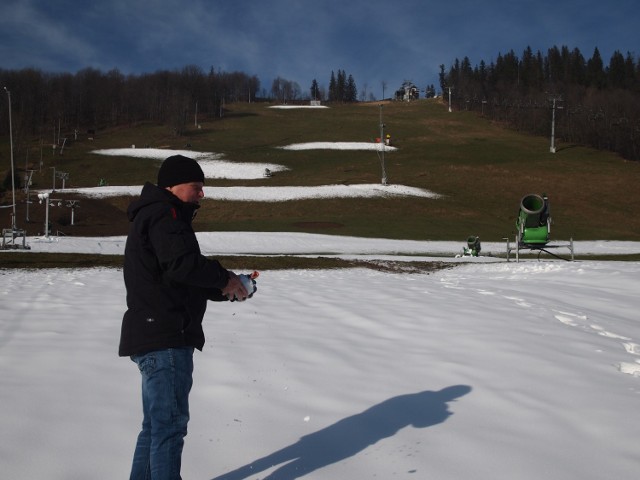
(351, 435)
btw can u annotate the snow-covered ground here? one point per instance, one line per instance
(288, 243)
(293, 107)
(273, 194)
(340, 146)
(214, 165)
(487, 370)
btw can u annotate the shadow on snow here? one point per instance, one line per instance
(353, 434)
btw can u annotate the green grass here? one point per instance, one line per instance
(481, 169)
(21, 259)
(39, 260)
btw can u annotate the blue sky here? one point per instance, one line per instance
(375, 40)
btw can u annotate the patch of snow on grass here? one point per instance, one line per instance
(212, 164)
(339, 146)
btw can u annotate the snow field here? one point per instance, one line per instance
(486, 370)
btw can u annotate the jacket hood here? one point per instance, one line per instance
(152, 194)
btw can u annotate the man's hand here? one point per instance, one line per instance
(247, 281)
(234, 289)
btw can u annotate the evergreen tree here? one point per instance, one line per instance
(430, 91)
(341, 85)
(315, 93)
(632, 80)
(616, 71)
(333, 88)
(443, 78)
(577, 68)
(595, 71)
(351, 92)
(342, 88)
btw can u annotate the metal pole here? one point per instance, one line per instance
(13, 180)
(552, 149)
(26, 190)
(46, 219)
(554, 99)
(44, 197)
(384, 173)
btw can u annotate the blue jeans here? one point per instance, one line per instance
(167, 376)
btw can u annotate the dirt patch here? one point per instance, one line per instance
(318, 225)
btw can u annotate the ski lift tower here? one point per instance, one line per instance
(450, 88)
(554, 99)
(10, 235)
(64, 176)
(48, 202)
(73, 204)
(381, 150)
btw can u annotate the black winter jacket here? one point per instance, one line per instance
(168, 280)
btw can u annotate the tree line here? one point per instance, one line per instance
(342, 89)
(595, 105)
(45, 103)
(590, 103)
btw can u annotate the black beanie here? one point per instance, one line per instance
(179, 169)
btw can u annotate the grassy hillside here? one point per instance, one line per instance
(481, 169)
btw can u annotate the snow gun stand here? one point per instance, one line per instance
(533, 226)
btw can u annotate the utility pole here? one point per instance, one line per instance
(554, 99)
(381, 152)
(44, 197)
(27, 184)
(13, 232)
(13, 180)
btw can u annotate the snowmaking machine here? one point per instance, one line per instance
(473, 247)
(533, 226)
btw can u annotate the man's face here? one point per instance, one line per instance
(190, 192)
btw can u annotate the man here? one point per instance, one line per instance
(168, 283)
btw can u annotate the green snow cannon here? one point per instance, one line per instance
(534, 221)
(473, 247)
